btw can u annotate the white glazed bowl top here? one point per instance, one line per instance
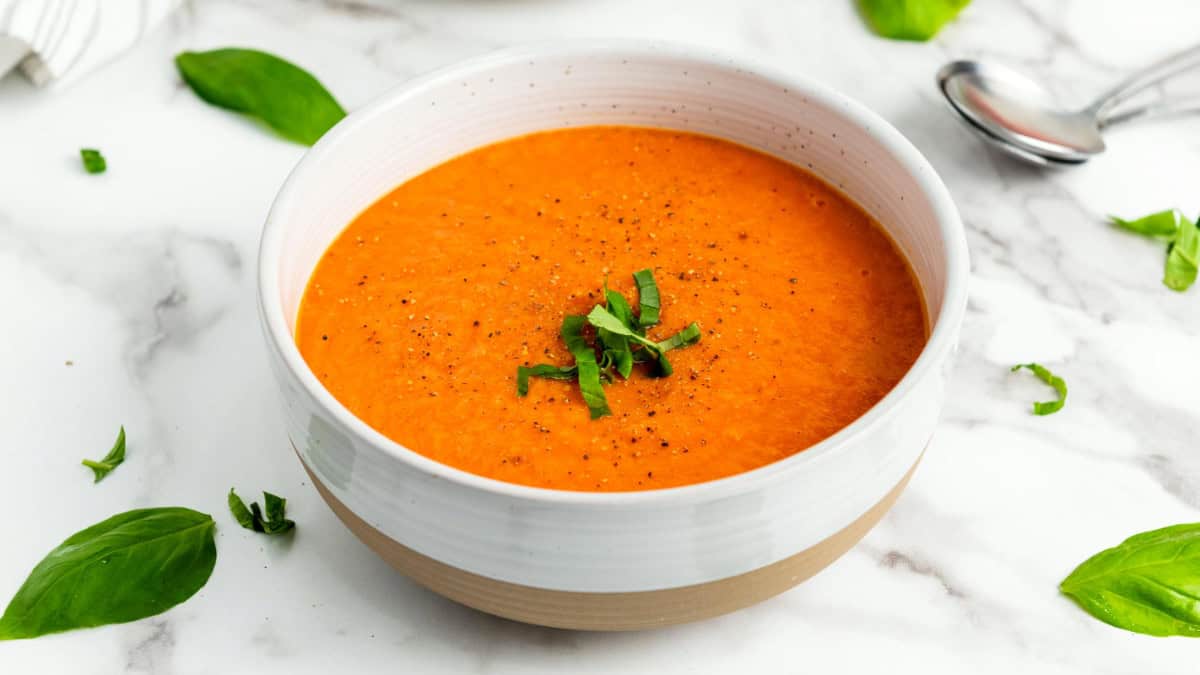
(611, 541)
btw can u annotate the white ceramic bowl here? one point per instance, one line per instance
(611, 560)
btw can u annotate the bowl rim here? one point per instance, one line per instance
(941, 341)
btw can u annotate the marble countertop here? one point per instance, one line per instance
(129, 299)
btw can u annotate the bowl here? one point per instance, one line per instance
(629, 560)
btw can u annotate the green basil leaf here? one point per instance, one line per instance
(649, 302)
(1150, 583)
(256, 518)
(1046, 407)
(544, 371)
(1183, 257)
(684, 338)
(134, 565)
(585, 362)
(603, 319)
(1161, 225)
(93, 161)
(282, 95)
(111, 460)
(240, 513)
(917, 20)
(275, 522)
(618, 350)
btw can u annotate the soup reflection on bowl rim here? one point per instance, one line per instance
(615, 560)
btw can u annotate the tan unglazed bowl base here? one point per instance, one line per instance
(612, 611)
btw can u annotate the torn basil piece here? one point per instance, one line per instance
(1043, 374)
(585, 362)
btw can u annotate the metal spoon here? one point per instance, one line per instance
(1016, 114)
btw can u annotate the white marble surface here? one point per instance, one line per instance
(143, 277)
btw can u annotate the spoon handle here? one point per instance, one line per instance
(1185, 106)
(1141, 80)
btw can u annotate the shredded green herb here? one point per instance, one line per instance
(1183, 244)
(273, 522)
(1163, 224)
(1046, 407)
(616, 346)
(93, 161)
(1182, 257)
(588, 370)
(620, 343)
(111, 460)
(543, 370)
(602, 319)
(684, 338)
(649, 303)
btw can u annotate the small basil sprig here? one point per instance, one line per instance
(545, 371)
(1147, 584)
(273, 522)
(93, 161)
(1183, 244)
(622, 342)
(130, 566)
(264, 86)
(111, 460)
(917, 20)
(1059, 385)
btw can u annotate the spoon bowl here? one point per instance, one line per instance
(1017, 115)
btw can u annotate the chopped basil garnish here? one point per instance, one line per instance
(274, 522)
(93, 161)
(1182, 257)
(111, 460)
(1046, 407)
(545, 371)
(620, 340)
(648, 300)
(588, 371)
(602, 319)
(1183, 244)
(1163, 224)
(684, 338)
(616, 346)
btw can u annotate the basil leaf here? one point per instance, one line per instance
(93, 161)
(273, 522)
(545, 371)
(134, 565)
(601, 318)
(649, 302)
(111, 460)
(1046, 407)
(1161, 225)
(618, 350)
(684, 338)
(1150, 583)
(240, 513)
(1182, 257)
(917, 20)
(282, 95)
(256, 517)
(585, 362)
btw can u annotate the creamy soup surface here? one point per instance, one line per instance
(418, 315)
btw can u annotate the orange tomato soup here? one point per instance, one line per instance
(418, 315)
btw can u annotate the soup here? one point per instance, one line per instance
(419, 313)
